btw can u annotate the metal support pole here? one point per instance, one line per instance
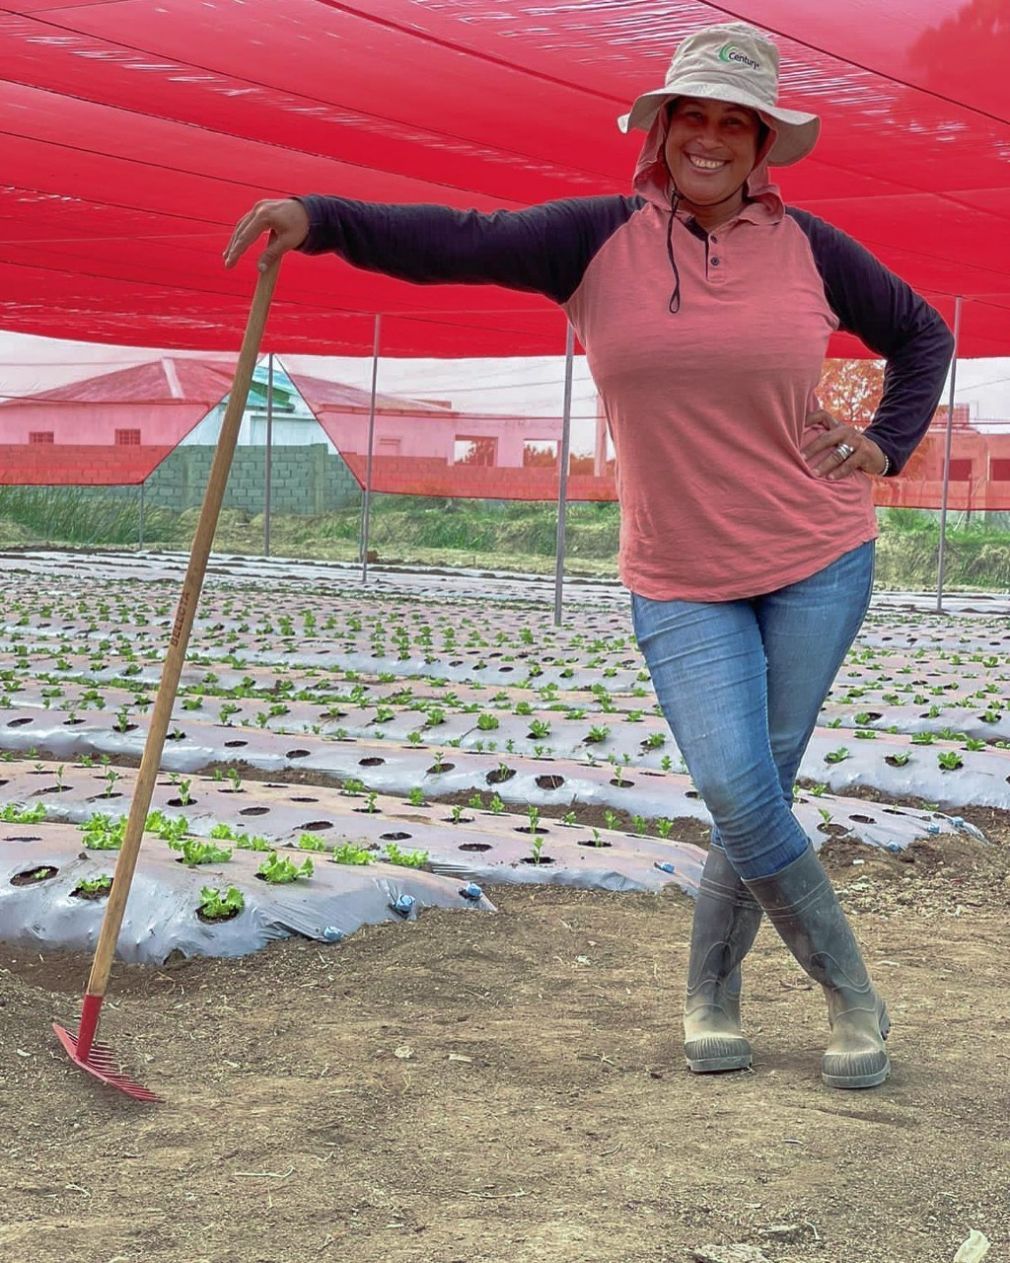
(140, 516)
(566, 437)
(268, 456)
(946, 458)
(367, 498)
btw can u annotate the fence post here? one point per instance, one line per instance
(268, 455)
(366, 499)
(140, 516)
(946, 459)
(566, 436)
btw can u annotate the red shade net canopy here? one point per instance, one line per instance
(136, 133)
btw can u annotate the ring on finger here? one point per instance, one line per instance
(844, 451)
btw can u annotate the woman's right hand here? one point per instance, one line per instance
(284, 219)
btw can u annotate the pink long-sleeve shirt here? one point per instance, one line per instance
(707, 406)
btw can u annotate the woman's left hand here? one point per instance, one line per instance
(839, 450)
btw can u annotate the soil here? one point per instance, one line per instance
(510, 1087)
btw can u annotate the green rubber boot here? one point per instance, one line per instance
(726, 920)
(802, 905)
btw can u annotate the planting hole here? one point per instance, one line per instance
(317, 826)
(544, 859)
(172, 802)
(394, 837)
(298, 754)
(25, 837)
(254, 811)
(476, 846)
(234, 745)
(32, 876)
(618, 783)
(499, 774)
(436, 768)
(594, 845)
(528, 828)
(303, 799)
(374, 761)
(862, 819)
(93, 895)
(550, 782)
(18, 723)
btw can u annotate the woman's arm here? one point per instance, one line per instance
(544, 249)
(895, 322)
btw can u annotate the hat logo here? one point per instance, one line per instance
(730, 52)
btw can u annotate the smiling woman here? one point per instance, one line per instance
(711, 148)
(705, 305)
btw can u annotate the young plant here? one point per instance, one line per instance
(416, 797)
(13, 814)
(348, 853)
(95, 885)
(195, 852)
(311, 842)
(220, 905)
(949, 761)
(837, 756)
(406, 859)
(279, 871)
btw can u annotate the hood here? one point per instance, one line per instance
(652, 182)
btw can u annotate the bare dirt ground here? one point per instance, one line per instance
(471, 1089)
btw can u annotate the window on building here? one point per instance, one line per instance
(540, 453)
(40, 436)
(475, 450)
(999, 470)
(960, 471)
(127, 438)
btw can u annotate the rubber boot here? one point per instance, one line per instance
(802, 905)
(726, 920)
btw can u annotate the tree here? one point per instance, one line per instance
(850, 390)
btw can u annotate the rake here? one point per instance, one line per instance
(98, 1059)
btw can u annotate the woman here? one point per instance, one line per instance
(747, 525)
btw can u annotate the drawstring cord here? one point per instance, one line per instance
(675, 296)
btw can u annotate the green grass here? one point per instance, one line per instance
(486, 535)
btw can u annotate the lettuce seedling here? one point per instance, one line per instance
(405, 859)
(348, 853)
(221, 905)
(278, 870)
(194, 851)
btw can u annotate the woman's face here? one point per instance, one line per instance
(711, 148)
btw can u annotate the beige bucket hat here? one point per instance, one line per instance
(731, 62)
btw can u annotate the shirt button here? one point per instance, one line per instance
(715, 263)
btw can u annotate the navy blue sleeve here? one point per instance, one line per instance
(544, 249)
(892, 320)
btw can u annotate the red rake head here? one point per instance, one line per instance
(102, 1063)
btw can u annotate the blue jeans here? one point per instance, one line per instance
(741, 684)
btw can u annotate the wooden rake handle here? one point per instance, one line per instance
(176, 655)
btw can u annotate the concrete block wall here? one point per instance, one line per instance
(307, 480)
